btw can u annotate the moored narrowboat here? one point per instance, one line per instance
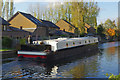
(61, 48)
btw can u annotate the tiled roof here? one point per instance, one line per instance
(4, 22)
(60, 32)
(10, 28)
(30, 17)
(49, 24)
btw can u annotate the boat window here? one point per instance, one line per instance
(73, 43)
(66, 44)
(89, 41)
(79, 42)
(85, 41)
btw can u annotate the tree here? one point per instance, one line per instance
(77, 13)
(11, 8)
(1, 7)
(36, 11)
(6, 9)
(6, 42)
(100, 30)
(111, 32)
(109, 24)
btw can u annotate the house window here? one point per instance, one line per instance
(17, 37)
(4, 27)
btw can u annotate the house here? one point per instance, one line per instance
(25, 21)
(29, 23)
(66, 26)
(3, 24)
(38, 28)
(50, 25)
(12, 32)
(60, 33)
(89, 29)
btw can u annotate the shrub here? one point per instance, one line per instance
(113, 77)
(23, 41)
(6, 42)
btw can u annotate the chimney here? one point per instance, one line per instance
(21, 27)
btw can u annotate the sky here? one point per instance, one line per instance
(108, 8)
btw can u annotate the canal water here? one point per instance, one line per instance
(94, 66)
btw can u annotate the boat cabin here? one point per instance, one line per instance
(63, 43)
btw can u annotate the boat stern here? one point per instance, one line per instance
(31, 54)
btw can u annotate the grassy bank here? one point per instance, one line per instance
(6, 49)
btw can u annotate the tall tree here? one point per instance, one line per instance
(1, 7)
(109, 24)
(7, 9)
(77, 13)
(100, 30)
(11, 8)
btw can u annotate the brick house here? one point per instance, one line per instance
(89, 29)
(25, 21)
(11, 32)
(50, 25)
(39, 28)
(66, 26)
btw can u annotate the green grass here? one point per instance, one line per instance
(6, 49)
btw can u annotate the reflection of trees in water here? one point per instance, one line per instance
(111, 50)
(119, 59)
(83, 68)
(110, 53)
(78, 71)
(119, 53)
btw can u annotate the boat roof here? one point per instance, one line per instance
(69, 39)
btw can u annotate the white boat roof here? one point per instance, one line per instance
(69, 39)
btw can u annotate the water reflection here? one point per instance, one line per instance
(84, 68)
(94, 65)
(110, 53)
(33, 69)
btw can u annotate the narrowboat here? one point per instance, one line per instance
(57, 49)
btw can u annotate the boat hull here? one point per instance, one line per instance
(79, 51)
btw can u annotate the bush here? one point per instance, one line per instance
(113, 77)
(23, 41)
(6, 42)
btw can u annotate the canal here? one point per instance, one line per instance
(94, 66)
